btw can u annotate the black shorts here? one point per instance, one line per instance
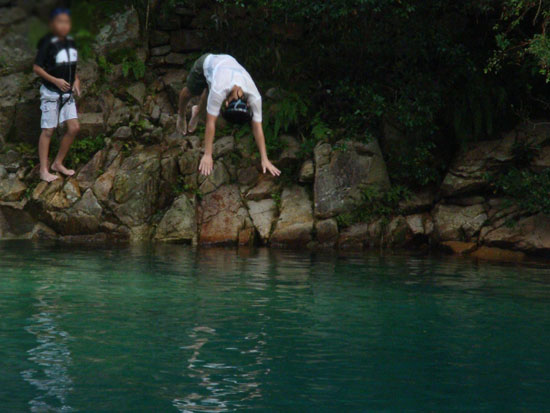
(196, 82)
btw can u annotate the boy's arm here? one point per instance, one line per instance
(60, 83)
(207, 163)
(76, 85)
(258, 132)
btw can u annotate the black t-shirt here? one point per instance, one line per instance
(58, 58)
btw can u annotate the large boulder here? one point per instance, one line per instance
(327, 232)
(263, 215)
(136, 186)
(222, 216)
(342, 172)
(84, 217)
(529, 234)
(458, 223)
(295, 223)
(122, 31)
(179, 223)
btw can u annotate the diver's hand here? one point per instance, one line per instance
(62, 84)
(268, 166)
(206, 165)
(181, 125)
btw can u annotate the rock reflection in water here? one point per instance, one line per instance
(51, 357)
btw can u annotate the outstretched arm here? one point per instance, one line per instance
(207, 163)
(258, 132)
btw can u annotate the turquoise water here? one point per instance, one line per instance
(168, 329)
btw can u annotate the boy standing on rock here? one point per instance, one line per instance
(227, 82)
(56, 64)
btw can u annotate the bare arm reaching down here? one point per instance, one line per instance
(258, 133)
(207, 163)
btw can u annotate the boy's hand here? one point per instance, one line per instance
(206, 165)
(62, 84)
(76, 87)
(181, 125)
(268, 166)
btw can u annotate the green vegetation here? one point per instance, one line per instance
(524, 188)
(82, 150)
(375, 204)
(444, 73)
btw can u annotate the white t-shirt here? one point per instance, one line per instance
(222, 72)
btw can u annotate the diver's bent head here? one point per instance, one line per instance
(236, 109)
(60, 22)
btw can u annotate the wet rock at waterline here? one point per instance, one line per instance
(295, 224)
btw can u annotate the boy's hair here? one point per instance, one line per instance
(59, 10)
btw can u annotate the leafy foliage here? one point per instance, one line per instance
(375, 204)
(526, 189)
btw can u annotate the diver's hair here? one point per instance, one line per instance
(59, 10)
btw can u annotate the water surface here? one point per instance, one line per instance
(173, 329)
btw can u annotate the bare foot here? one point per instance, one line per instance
(60, 168)
(194, 119)
(48, 177)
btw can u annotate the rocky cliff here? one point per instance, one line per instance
(142, 183)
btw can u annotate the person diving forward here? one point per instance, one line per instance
(223, 86)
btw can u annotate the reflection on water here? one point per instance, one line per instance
(169, 328)
(51, 357)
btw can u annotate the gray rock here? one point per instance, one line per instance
(263, 214)
(456, 223)
(11, 189)
(341, 174)
(91, 124)
(91, 171)
(122, 31)
(88, 74)
(179, 223)
(136, 187)
(223, 146)
(530, 234)
(124, 132)
(307, 172)
(327, 232)
(137, 91)
(247, 176)
(295, 223)
(155, 113)
(265, 188)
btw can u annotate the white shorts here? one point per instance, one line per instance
(49, 105)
